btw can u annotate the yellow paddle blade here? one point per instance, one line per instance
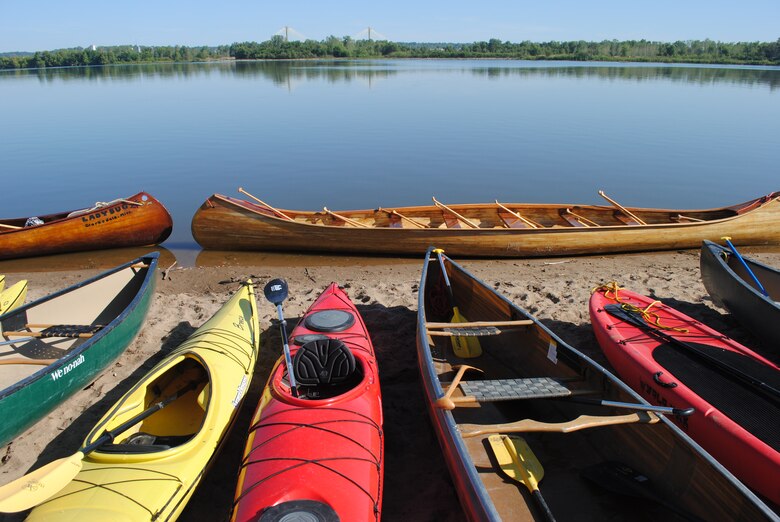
(34, 488)
(517, 460)
(464, 346)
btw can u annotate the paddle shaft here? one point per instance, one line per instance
(632, 406)
(108, 436)
(287, 357)
(745, 266)
(543, 505)
(763, 388)
(450, 295)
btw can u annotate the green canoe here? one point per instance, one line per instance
(55, 346)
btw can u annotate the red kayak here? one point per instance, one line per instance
(672, 359)
(318, 456)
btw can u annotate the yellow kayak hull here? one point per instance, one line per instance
(150, 471)
(13, 296)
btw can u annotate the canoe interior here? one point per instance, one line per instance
(676, 471)
(94, 304)
(768, 276)
(171, 426)
(48, 218)
(493, 216)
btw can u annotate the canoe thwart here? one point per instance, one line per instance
(479, 331)
(581, 422)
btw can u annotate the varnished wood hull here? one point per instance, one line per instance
(140, 220)
(224, 223)
(678, 470)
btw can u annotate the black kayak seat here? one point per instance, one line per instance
(323, 362)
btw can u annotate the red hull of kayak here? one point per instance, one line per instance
(329, 451)
(634, 354)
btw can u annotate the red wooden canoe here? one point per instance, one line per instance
(139, 220)
(682, 363)
(319, 454)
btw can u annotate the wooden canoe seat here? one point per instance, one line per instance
(576, 220)
(626, 220)
(513, 222)
(451, 221)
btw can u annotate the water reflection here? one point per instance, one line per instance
(283, 72)
(96, 259)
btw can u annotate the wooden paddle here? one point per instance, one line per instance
(43, 483)
(441, 205)
(465, 347)
(621, 208)
(519, 463)
(761, 289)
(266, 205)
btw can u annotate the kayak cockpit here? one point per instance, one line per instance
(173, 425)
(325, 368)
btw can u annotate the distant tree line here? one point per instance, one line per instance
(690, 51)
(112, 55)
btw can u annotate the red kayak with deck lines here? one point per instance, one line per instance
(316, 453)
(675, 360)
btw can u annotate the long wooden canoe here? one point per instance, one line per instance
(732, 287)
(150, 470)
(480, 230)
(531, 383)
(56, 345)
(139, 220)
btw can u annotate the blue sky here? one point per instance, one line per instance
(33, 25)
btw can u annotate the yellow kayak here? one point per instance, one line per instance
(149, 472)
(13, 296)
(2, 282)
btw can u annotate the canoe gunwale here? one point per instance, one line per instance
(449, 435)
(150, 259)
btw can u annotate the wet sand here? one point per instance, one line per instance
(417, 483)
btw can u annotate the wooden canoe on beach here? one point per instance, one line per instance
(56, 345)
(731, 286)
(139, 220)
(480, 230)
(589, 444)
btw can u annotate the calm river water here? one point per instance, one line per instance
(364, 134)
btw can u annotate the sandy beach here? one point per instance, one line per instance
(417, 484)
